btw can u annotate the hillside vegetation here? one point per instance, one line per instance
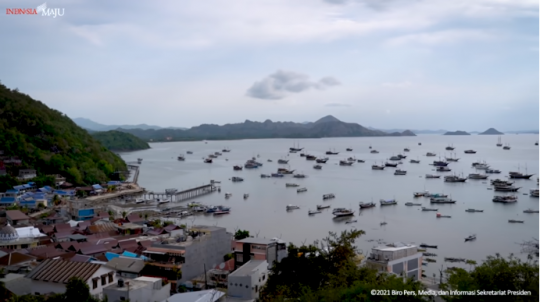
(120, 141)
(50, 142)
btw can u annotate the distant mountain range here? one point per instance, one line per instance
(441, 131)
(327, 126)
(93, 126)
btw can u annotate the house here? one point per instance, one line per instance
(17, 262)
(59, 179)
(97, 189)
(259, 249)
(130, 228)
(27, 174)
(53, 275)
(16, 284)
(7, 201)
(16, 217)
(138, 289)
(397, 258)
(126, 267)
(247, 281)
(19, 238)
(81, 209)
(135, 218)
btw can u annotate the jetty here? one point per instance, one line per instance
(177, 196)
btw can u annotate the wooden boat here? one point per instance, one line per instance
(320, 207)
(470, 238)
(367, 205)
(328, 196)
(313, 212)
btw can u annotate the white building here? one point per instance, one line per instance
(141, 289)
(51, 276)
(397, 258)
(246, 282)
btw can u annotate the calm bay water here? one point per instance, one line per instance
(264, 211)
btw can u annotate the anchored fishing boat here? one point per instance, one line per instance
(454, 178)
(414, 161)
(470, 238)
(292, 207)
(208, 160)
(237, 168)
(310, 212)
(400, 172)
(365, 205)
(428, 209)
(515, 221)
(237, 179)
(474, 211)
(317, 167)
(328, 196)
(506, 188)
(443, 169)
(290, 185)
(505, 199)
(377, 167)
(412, 204)
(530, 211)
(320, 207)
(441, 200)
(282, 161)
(428, 246)
(432, 176)
(345, 163)
(477, 176)
(469, 152)
(322, 160)
(342, 212)
(301, 190)
(388, 202)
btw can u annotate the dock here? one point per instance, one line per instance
(177, 196)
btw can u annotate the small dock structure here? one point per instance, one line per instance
(177, 196)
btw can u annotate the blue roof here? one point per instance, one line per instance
(110, 256)
(12, 191)
(31, 183)
(97, 187)
(7, 199)
(27, 201)
(21, 187)
(27, 186)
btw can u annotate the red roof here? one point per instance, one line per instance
(134, 218)
(16, 215)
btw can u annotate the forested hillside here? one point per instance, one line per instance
(120, 141)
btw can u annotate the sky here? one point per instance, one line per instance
(407, 64)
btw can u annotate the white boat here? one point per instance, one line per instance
(388, 202)
(534, 192)
(290, 185)
(376, 167)
(481, 166)
(139, 200)
(400, 172)
(328, 196)
(292, 207)
(341, 212)
(301, 190)
(432, 176)
(162, 201)
(313, 212)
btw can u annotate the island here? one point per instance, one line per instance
(120, 141)
(459, 132)
(491, 131)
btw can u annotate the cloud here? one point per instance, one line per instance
(441, 37)
(337, 105)
(282, 83)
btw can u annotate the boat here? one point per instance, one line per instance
(285, 171)
(517, 175)
(329, 152)
(515, 221)
(342, 212)
(470, 238)
(412, 204)
(499, 143)
(414, 161)
(454, 178)
(376, 167)
(435, 195)
(351, 159)
(349, 149)
(505, 199)
(419, 144)
(406, 150)
(292, 207)
(531, 211)
(227, 195)
(311, 157)
(299, 176)
(428, 246)
(237, 168)
(246, 196)
(253, 162)
(351, 221)
(441, 200)
(328, 196)
(507, 189)
(162, 201)
(320, 207)
(395, 158)
(208, 160)
(250, 166)
(301, 190)
(345, 163)
(189, 152)
(365, 205)
(277, 175)
(477, 176)
(212, 156)
(400, 172)
(217, 153)
(282, 161)
(221, 211)
(450, 148)
(290, 185)
(536, 144)
(428, 209)
(474, 211)
(310, 212)
(237, 179)
(295, 149)
(383, 223)
(432, 176)
(387, 164)
(388, 202)
(534, 192)
(181, 157)
(139, 160)
(302, 155)
(321, 160)
(226, 150)
(452, 159)
(443, 169)
(469, 152)
(431, 154)
(265, 176)
(139, 200)
(481, 166)
(501, 183)
(492, 171)
(438, 163)
(507, 147)
(360, 161)
(374, 151)
(420, 194)
(443, 216)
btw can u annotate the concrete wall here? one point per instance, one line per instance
(141, 294)
(209, 250)
(248, 286)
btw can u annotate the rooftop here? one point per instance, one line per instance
(248, 268)
(396, 246)
(132, 265)
(256, 240)
(59, 271)
(16, 215)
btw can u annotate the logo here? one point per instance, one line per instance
(43, 9)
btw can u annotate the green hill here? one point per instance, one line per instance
(120, 141)
(48, 141)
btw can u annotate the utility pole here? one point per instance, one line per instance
(205, 278)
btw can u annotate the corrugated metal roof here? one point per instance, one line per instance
(60, 271)
(93, 249)
(16, 215)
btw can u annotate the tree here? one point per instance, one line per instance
(77, 290)
(496, 273)
(124, 214)
(241, 234)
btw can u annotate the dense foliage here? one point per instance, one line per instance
(120, 141)
(241, 234)
(329, 271)
(51, 143)
(495, 274)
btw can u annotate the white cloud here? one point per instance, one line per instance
(441, 37)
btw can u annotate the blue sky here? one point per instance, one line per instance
(413, 64)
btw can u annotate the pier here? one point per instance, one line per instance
(177, 196)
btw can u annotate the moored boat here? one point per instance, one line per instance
(292, 207)
(441, 200)
(470, 238)
(393, 165)
(443, 169)
(321, 160)
(301, 190)
(285, 171)
(181, 157)
(428, 209)
(400, 172)
(454, 178)
(428, 245)
(474, 211)
(531, 211)
(534, 192)
(277, 175)
(432, 176)
(237, 168)
(431, 154)
(506, 188)
(505, 199)
(374, 151)
(477, 176)
(515, 221)
(320, 207)
(208, 160)
(412, 204)
(311, 157)
(310, 212)
(342, 212)
(414, 161)
(345, 163)
(469, 152)
(365, 205)
(377, 167)
(492, 171)
(518, 175)
(438, 163)
(237, 179)
(388, 202)
(299, 176)
(282, 161)
(291, 185)
(328, 196)
(317, 167)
